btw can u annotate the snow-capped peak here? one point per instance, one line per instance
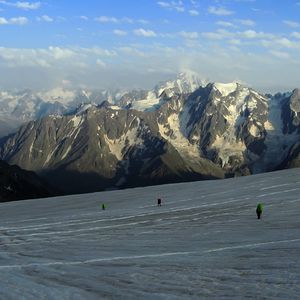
(84, 107)
(185, 82)
(226, 88)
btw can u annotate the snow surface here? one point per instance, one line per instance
(203, 243)
(115, 107)
(226, 88)
(276, 143)
(177, 138)
(131, 137)
(146, 104)
(227, 144)
(84, 107)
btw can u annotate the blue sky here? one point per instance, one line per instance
(135, 43)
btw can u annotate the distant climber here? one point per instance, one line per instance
(259, 210)
(158, 202)
(103, 206)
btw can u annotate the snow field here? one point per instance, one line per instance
(203, 243)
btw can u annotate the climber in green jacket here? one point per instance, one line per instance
(259, 210)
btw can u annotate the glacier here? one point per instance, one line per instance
(203, 243)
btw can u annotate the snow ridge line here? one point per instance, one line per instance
(252, 245)
(279, 192)
(166, 254)
(77, 222)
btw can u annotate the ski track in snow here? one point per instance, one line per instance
(202, 229)
(97, 260)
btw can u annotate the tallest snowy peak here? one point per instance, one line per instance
(226, 88)
(185, 82)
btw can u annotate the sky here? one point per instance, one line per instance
(137, 43)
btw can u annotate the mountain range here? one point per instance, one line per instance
(20, 107)
(181, 130)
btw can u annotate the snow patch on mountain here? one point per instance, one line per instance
(277, 144)
(226, 88)
(77, 120)
(130, 138)
(184, 83)
(254, 131)
(84, 107)
(228, 147)
(115, 107)
(227, 144)
(146, 104)
(171, 131)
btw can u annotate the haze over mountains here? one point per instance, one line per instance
(181, 130)
(19, 107)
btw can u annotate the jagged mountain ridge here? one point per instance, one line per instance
(216, 131)
(17, 108)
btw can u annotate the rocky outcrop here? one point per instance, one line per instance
(17, 184)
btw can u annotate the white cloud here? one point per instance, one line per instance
(189, 35)
(100, 63)
(286, 43)
(14, 21)
(220, 34)
(225, 24)
(56, 57)
(18, 21)
(295, 35)
(126, 20)
(60, 53)
(105, 19)
(3, 21)
(281, 43)
(180, 8)
(22, 5)
(172, 5)
(212, 35)
(280, 54)
(249, 34)
(193, 12)
(45, 18)
(252, 34)
(142, 21)
(120, 32)
(292, 24)
(131, 51)
(48, 67)
(247, 22)
(98, 51)
(163, 4)
(220, 11)
(194, 3)
(27, 5)
(144, 32)
(235, 42)
(85, 18)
